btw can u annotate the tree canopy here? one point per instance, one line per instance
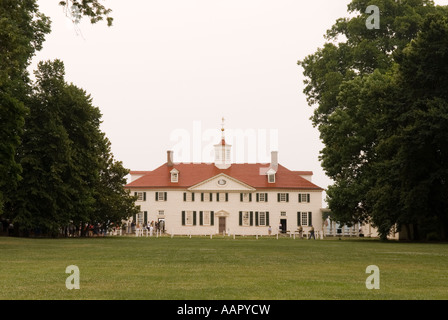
(56, 166)
(380, 108)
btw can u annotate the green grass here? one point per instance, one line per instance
(221, 268)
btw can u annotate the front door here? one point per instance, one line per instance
(283, 225)
(222, 224)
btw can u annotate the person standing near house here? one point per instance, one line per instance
(312, 233)
(269, 230)
(300, 230)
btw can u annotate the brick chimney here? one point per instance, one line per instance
(169, 158)
(274, 160)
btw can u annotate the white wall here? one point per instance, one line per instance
(175, 204)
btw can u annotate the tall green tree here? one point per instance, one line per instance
(353, 84)
(22, 31)
(69, 173)
(43, 197)
(413, 147)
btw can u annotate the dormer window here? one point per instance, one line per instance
(174, 175)
(271, 175)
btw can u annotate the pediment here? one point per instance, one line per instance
(221, 183)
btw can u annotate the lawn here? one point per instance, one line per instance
(221, 268)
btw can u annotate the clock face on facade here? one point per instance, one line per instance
(222, 182)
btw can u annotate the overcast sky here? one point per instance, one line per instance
(173, 66)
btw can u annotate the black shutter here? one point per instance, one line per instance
(183, 218)
(256, 218)
(145, 218)
(192, 196)
(278, 197)
(166, 196)
(202, 196)
(212, 218)
(241, 218)
(265, 197)
(211, 196)
(227, 197)
(298, 217)
(300, 197)
(185, 196)
(200, 218)
(144, 196)
(250, 197)
(134, 218)
(241, 197)
(135, 193)
(257, 197)
(217, 196)
(287, 197)
(157, 196)
(267, 218)
(251, 218)
(308, 197)
(194, 218)
(310, 217)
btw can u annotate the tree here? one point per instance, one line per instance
(69, 173)
(43, 198)
(89, 8)
(22, 31)
(360, 104)
(414, 151)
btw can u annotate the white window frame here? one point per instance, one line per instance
(304, 218)
(189, 196)
(139, 196)
(304, 197)
(282, 197)
(174, 177)
(261, 197)
(161, 196)
(282, 213)
(262, 217)
(246, 218)
(140, 218)
(161, 212)
(188, 218)
(271, 178)
(206, 218)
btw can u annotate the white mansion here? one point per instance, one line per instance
(221, 197)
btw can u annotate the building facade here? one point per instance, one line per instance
(226, 198)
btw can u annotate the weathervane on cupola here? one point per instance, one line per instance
(222, 151)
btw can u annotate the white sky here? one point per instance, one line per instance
(165, 64)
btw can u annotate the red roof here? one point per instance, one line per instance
(191, 174)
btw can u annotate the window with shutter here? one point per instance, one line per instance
(304, 218)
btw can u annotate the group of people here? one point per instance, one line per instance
(311, 232)
(299, 230)
(153, 226)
